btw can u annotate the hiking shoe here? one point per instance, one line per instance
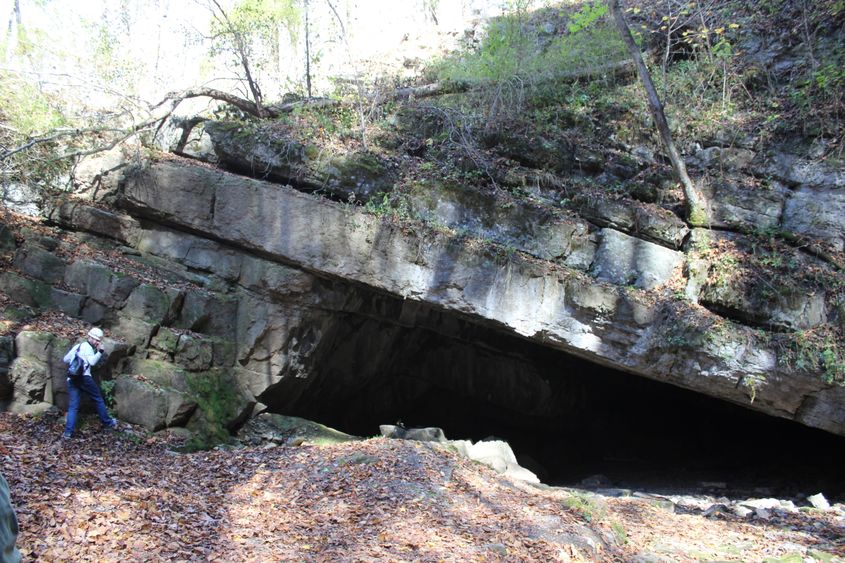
(66, 436)
(112, 425)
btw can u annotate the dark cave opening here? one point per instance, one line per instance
(566, 418)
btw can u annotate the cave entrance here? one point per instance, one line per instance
(566, 419)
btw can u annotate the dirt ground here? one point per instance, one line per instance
(117, 496)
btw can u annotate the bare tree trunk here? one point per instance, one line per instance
(17, 11)
(695, 205)
(242, 53)
(359, 85)
(307, 52)
(12, 32)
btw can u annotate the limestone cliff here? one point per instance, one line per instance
(275, 267)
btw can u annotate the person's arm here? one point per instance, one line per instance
(87, 353)
(71, 353)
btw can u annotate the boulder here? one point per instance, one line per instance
(95, 313)
(353, 176)
(22, 198)
(223, 406)
(194, 354)
(39, 374)
(161, 374)
(32, 293)
(40, 264)
(165, 340)
(31, 381)
(100, 171)
(495, 454)
(289, 430)
(76, 214)
(40, 346)
(416, 434)
(149, 405)
(100, 283)
(32, 409)
(151, 304)
(91, 278)
(135, 332)
(67, 302)
(818, 501)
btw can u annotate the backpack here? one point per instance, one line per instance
(76, 367)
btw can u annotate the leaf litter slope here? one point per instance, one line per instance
(117, 496)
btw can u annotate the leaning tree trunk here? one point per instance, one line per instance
(695, 205)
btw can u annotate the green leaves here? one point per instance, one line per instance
(250, 34)
(264, 18)
(25, 108)
(587, 16)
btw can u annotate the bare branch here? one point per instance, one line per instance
(241, 103)
(38, 140)
(186, 125)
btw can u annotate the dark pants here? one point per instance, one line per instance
(90, 388)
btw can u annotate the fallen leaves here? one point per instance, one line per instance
(104, 497)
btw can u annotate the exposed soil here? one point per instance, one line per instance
(107, 496)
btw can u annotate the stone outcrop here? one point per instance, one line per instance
(537, 230)
(283, 159)
(258, 283)
(557, 307)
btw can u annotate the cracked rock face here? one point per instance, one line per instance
(285, 279)
(609, 325)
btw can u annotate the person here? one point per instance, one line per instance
(8, 526)
(90, 352)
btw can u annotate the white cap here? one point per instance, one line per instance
(95, 333)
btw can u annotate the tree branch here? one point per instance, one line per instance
(240, 103)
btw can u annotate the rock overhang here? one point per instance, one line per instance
(661, 338)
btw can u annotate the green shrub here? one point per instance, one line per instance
(513, 50)
(25, 108)
(818, 350)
